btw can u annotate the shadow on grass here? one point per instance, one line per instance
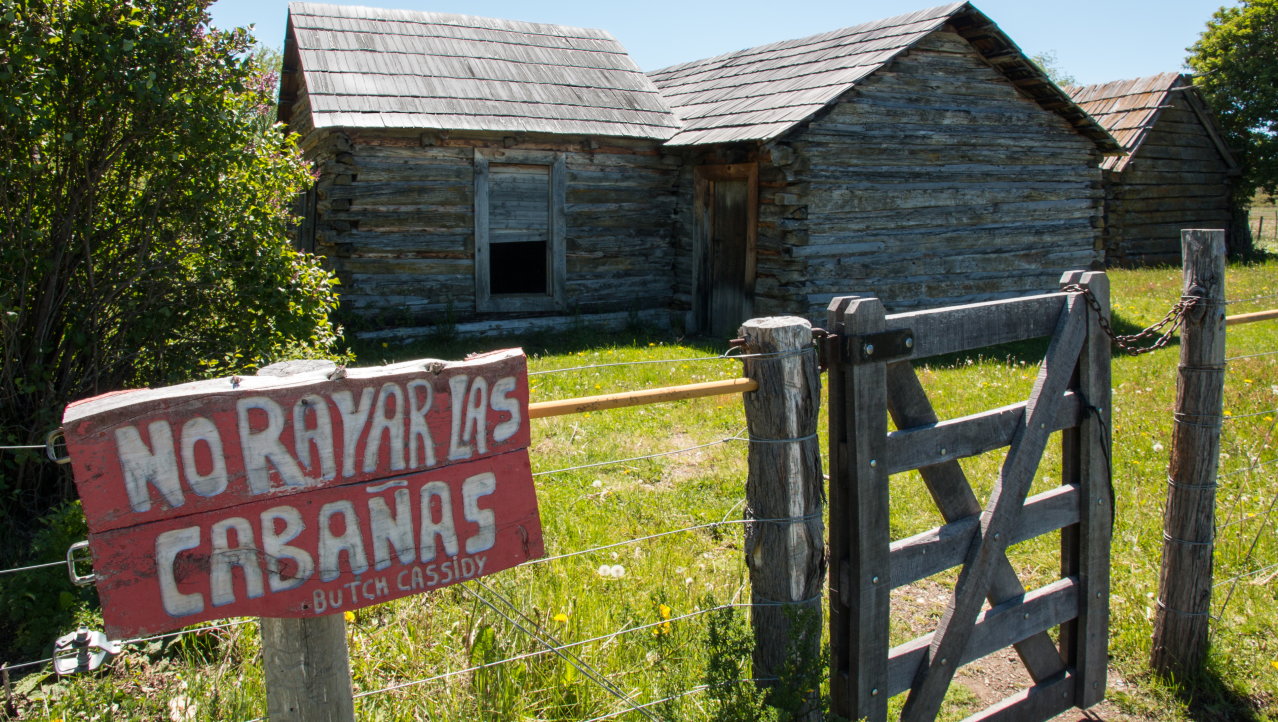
(534, 344)
(1211, 698)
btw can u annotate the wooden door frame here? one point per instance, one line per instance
(703, 178)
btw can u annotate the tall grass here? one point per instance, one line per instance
(648, 604)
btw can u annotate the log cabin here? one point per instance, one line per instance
(475, 171)
(1177, 172)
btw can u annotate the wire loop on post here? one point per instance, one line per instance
(80, 580)
(51, 443)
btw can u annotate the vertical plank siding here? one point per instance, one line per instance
(933, 183)
(1175, 180)
(396, 223)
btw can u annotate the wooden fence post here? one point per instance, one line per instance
(785, 551)
(859, 533)
(1185, 580)
(307, 667)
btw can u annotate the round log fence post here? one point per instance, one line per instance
(785, 548)
(1189, 518)
(305, 661)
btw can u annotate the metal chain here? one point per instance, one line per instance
(1176, 317)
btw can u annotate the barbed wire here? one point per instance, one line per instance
(685, 693)
(727, 439)
(1252, 298)
(571, 645)
(1251, 355)
(658, 535)
(726, 355)
(549, 641)
(139, 640)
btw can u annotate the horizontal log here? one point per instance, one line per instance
(1242, 318)
(544, 409)
(995, 629)
(933, 551)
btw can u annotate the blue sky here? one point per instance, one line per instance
(1093, 40)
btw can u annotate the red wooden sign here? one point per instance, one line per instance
(302, 495)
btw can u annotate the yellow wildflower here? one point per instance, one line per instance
(350, 616)
(560, 617)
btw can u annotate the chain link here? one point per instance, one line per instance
(1176, 317)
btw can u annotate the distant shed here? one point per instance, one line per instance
(1177, 173)
(474, 170)
(923, 158)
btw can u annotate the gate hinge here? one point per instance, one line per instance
(827, 348)
(880, 347)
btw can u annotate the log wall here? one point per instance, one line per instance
(933, 183)
(1176, 179)
(395, 220)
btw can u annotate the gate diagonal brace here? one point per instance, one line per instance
(889, 345)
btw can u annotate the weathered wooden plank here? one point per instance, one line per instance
(959, 438)
(935, 550)
(962, 328)
(996, 628)
(1005, 505)
(946, 482)
(1040, 702)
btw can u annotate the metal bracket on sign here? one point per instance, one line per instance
(82, 651)
(880, 347)
(78, 579)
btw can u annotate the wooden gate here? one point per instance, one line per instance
(871, 378)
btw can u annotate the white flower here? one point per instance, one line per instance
(183, 709)
(597, 483)
(604, 570)
(1158, 446)
(616, 571)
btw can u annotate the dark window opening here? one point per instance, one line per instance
(518, 267)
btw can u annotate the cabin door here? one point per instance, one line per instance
(727, 214)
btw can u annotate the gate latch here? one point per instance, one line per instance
(880, 347)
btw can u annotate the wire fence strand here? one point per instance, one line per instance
(725, 356)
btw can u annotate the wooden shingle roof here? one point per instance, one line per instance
(760, 93)
(368, 67)
(1129, 109)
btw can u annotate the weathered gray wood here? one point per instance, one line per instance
(482, 258)
(307, 670)
(996, 628)
(1042, 701)
(962, 328)
(842, 618)
(1005, 505)
(1085, 548)
(786, 558)
(933, 443)
(308, 675)
(944, 547)
(860, 568)
(1185, 579)
(946, 482)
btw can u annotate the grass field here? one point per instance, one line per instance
(1264, 222)
(662, 610)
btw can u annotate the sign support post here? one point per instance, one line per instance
(306, 663)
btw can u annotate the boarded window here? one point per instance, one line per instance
(519, 230)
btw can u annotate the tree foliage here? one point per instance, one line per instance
(1235, 64)
(144, 208)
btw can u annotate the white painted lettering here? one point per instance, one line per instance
(167, 547)
(320, 435)
(276, 549)
(501, 401)
(387, 531)
(476, 425)
(155, 465)
(225, 556)
(388, 423)
(350, 541)
(457, 448)
(418, 430)
(353, 419)
(473, 488)
(195, 431)
(430, 527)
(264, 446)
